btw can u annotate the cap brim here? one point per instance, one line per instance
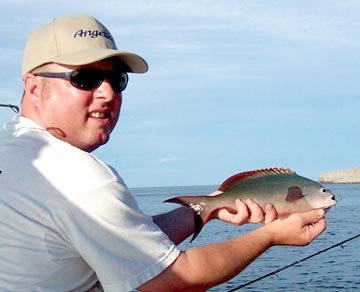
(135, 63)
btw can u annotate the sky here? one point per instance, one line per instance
(233, 85)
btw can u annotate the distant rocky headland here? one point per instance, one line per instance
(351, 175)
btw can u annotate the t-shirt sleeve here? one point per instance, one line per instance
(120, 243)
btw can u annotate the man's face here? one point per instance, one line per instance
(83, 118)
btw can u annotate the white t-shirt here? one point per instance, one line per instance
(67, 219)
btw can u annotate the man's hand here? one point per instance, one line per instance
(297, 228)
(246, 212)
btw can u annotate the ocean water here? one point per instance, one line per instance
(337, 269)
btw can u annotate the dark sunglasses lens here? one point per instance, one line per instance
(86, 78)
(119, 81)
(89, 78)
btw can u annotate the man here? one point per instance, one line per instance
(67, 220)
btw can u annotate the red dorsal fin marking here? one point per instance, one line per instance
(266, 171)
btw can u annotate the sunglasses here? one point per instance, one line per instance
(91, 78)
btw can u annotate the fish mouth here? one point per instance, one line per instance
(331, 201)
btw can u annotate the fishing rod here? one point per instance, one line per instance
(15, 108)
(295, 263)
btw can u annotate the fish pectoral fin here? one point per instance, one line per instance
(294, 193)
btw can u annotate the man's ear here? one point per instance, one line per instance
(32, 88)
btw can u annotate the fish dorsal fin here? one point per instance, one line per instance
(294, 194)
(260, 172)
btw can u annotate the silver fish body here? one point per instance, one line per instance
(283, 188)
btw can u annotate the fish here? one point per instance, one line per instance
(282, 187)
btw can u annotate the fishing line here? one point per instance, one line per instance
(295, 263)
(15, 108)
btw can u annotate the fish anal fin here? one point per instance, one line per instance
(294, 194)
(247, 174)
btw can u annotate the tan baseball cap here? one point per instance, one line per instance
(75, 40)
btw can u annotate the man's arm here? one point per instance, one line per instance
(179, 223)
(200, 268)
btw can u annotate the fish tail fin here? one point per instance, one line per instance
(200, 207)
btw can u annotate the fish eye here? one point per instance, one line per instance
(323, 190)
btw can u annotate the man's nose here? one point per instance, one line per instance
(105, 91)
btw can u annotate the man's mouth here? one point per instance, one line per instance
(98, 115)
